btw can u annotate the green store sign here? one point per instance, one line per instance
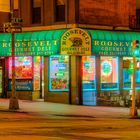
(113, 43)
(33, 48)
(41, 43)
(44, 43)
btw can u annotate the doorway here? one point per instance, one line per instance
(88, 80)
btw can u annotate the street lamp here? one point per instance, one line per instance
(136, 52)
(13, 27)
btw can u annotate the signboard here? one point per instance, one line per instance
(112, 48)
(21, 85)
(30, 48)
(76, 42)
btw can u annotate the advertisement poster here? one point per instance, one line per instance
(59, 73)
(109, 73)
(23, 67)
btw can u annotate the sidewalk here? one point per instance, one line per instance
(66, 110)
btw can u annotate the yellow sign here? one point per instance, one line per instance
(76, 42)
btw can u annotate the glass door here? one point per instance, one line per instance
(88, 80)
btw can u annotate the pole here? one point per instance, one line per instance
(13, 66)
(13, 99)
(133, 109)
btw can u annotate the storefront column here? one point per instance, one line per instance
(120, 74)
(46, 78)
(75, 82)
(98, 75)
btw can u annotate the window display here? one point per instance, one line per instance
(88, 79)
(127, 75)
(23, 73)
(59, 73)
(109, 73)
(23, 67)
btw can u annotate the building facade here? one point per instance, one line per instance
(72, 51)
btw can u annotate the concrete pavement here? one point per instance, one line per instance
(65, 110)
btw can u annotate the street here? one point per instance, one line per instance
(23, 126)
(30, 124)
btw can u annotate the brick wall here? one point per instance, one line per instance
(4, 17)
(106, 12)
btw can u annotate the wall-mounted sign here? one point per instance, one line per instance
(30, 48)
(76, 42)
(42, 43)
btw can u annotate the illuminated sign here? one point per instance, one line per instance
(76, 42)
(117, 48)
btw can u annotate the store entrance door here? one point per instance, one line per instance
(88, 80)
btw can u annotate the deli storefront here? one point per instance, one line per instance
(74, 66)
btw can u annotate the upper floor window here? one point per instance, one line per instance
(16, 8)
(138, 12)
(60, 10)
(36, 11)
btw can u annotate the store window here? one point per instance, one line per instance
(60, 10)
(36, 11)
(127, 75)
(109, 73)
(59, 73)
(88, 78)
(16, 8)
(23, 73)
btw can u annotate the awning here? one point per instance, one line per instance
(114, 35)
(113, 43)
(42, 35)
(41, 43)
(44, 43)
(5, 37)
